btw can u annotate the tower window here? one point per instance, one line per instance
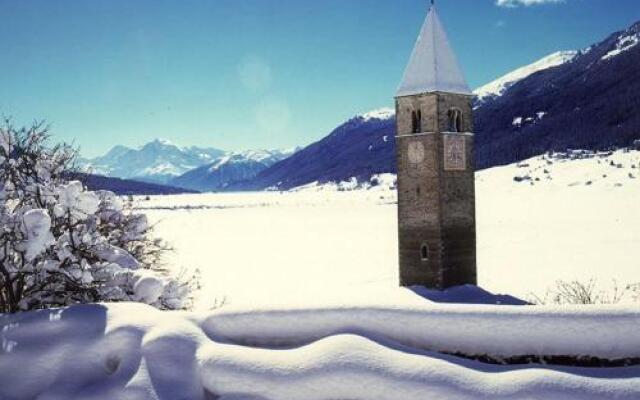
(419, 118)
(414, 122)
(454, 117)
(424, 252)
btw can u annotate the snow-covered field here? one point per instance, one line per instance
(314, 312)
(566, 219)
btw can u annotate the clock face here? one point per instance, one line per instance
(415, 152)
(454, 153)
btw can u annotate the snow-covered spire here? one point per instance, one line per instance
(433, 66)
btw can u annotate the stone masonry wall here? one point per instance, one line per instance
(435, 207)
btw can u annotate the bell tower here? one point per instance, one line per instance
(435, 164)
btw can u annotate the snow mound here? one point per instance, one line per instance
(499, 331)
(354, 367)
(130, 350)
(148, 288)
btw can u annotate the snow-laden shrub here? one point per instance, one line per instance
(62, 244)
(576, 292)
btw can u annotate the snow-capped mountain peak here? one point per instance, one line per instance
(164, 142)
(161, 144)
(230, 168)
(156, 161)
(162, 161)
(263, 154)
(500, 85)
(383, 113)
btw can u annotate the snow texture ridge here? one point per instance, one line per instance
(502, 331)
(433, 66)
(130, 350)
(353, 367)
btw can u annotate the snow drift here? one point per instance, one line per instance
(133, 351)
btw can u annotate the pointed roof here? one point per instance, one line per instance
(433, 66)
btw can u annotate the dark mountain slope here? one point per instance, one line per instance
(592, 102)
(360, 147)
(124, 186)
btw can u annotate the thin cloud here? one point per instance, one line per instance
(526, 3)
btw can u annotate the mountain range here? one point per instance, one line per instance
(124, 187)
(228, 169)
(591, 101)
(158, 161)
(193, 168)
(585, 99)
(361, 147)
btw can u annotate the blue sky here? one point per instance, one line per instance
(239, 74)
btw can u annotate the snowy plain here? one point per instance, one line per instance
(313, 311)
(574, 218)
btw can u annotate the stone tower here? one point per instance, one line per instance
(435, 163)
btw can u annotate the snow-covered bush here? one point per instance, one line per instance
(576, 292)
(62, 244)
